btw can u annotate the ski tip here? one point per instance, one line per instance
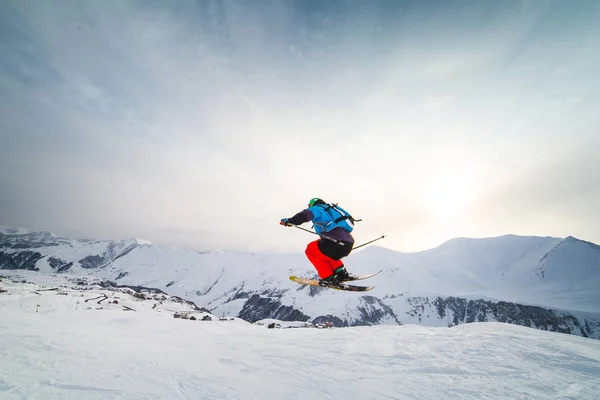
(350, 288)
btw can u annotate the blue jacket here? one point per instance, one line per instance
(328, 217)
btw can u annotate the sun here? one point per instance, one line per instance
(447, 195)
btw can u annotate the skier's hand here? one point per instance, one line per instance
(285, 222)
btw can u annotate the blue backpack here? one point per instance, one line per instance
(333, 217)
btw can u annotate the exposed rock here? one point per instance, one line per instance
(110, 284)
(257, 308)
(94, 261)
(466, 311)
(55, 262)
(113, 252)
(374, 311)
(454, 310)
(64, 268)
(20, 260)
(121, 275)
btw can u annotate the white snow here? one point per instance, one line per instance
(62, 350)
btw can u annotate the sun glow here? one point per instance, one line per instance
(447, 192)
(448, 196)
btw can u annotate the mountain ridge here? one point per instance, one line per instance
(482, 272)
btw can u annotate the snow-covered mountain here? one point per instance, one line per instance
(543, 282)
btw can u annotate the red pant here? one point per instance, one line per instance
(324, 265)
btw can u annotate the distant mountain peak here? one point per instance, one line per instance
(572, 239)
(11, 230)
(142, 242)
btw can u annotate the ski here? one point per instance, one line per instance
(343, 286)
(361, 277)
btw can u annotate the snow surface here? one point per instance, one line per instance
(52, 347)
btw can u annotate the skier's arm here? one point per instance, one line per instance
(300, 218)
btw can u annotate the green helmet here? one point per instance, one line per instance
(314, 201)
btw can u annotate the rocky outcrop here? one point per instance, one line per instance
(114, 251)
(450, 311)
(121, 275)
(94, 261)
(110, 284)
(465, 311)
(257, 308)
(20, 260)
(65, 267)
(374, 312)
(58, 264)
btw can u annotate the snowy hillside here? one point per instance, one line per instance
(543, 282)
(43, 293)
(68, 344)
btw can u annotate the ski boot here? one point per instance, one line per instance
(329, 281)
(341, 275)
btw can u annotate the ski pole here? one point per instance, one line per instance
(364, 244)
(305, 230)
(337, 241)
(320, 235)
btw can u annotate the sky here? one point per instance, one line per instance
(200, 124)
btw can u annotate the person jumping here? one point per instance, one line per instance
(334, 226)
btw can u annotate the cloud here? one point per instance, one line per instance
(168, 121)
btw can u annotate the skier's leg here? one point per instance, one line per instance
(336, 251)
(323, 264)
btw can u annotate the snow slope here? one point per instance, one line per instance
(67, 352)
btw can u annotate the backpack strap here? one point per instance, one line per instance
(343, 216)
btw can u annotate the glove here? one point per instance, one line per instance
(285, 222)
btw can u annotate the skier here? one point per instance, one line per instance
(333, 224)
